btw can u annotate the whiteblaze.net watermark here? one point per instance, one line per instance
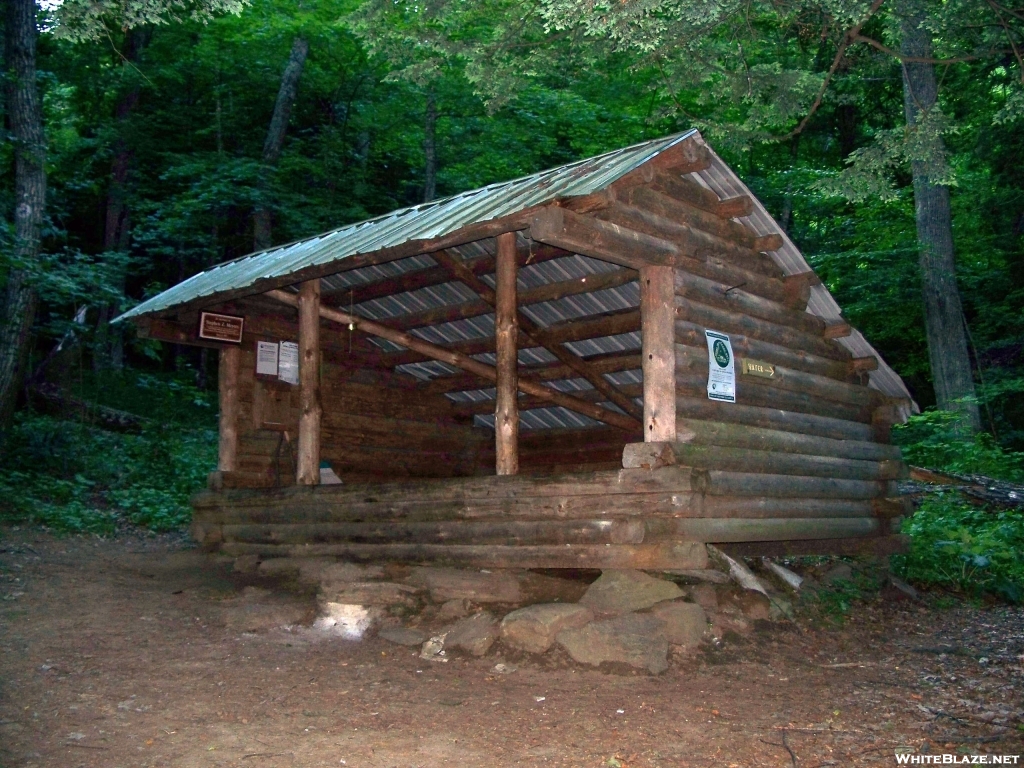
(907, 758)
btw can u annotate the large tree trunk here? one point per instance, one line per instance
(286, 94)
(25, 121)
(943, 313)
(109, 348)
(430, 149)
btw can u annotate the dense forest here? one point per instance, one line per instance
(157, 139)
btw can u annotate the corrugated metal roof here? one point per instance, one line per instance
(420, 222)
(444, 217)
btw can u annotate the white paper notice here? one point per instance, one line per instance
(288, 363)
(721, 368)
(266, 358)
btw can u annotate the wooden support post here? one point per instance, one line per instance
(227, 384)
(506, 329)
(657, 335)
(308, 464)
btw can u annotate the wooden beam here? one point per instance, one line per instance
(601, 239)
(657, 333)
(485, 305)
(536, 335)
(674, 209)
(693, 242)
(506, 413)
(227, 385)
(429, 276)
(308, 460)
(464, 362)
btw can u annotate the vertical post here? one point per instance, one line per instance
(227, 385)
(657, 335)
(506, 329)
(308, 469)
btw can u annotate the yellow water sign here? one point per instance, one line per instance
(758, 368)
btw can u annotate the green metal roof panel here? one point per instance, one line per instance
(421, 222)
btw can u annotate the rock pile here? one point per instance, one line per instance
(623, 617)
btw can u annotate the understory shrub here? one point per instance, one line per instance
(75, 477)
(965, 547)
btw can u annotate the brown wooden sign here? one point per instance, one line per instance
(216, 327)
(758, 368)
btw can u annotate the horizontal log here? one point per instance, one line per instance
(692, 335)
(608, 363)
(744, 302)
(601, 239)
(421, 532)
(752, 507)
(693, 242)
(875, 546)
(771, 529)
(660, 204)
(667, 480)
(751, 391)
(722, 483)
(689, 191)
(770, 462)
(666, 556)
(768, 243)
(772, 418)
(727, 321)
(758, 438)
(696, 359)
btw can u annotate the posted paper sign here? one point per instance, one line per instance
(266, 358)
(721, 368)
(288, 362)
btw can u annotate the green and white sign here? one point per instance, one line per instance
(721, 368)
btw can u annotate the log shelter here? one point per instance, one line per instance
(519, 376)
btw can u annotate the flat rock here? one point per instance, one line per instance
(337, 573)
(347, 620)
(723, 623)
(751, 604)
(246, 564)
(477, 586)
(841, 572)
(618, 592)
(705, 595)
(683, 623)
(633, 639)
(370, 593)
(403, 636)
(475, 634)
(258, 609)
(534, 628)
(453, 609)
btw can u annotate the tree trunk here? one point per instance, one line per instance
(943, 313)
(262, 237)
(430, 150)
(108, 351)
(25, 121)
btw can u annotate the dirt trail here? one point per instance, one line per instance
(118, 653)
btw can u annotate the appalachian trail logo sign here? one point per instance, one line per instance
(721, 368)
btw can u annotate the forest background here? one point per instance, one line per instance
(178, 135)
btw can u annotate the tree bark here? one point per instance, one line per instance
(25, 121)
(943, 312)
(430, 150)
(109, 348)
(262, 224)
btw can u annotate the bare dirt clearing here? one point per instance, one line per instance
(127, 652)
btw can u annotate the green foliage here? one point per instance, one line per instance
(934, 439)
(967, 548)
(74, 477)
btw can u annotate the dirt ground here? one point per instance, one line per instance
(122, 653)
